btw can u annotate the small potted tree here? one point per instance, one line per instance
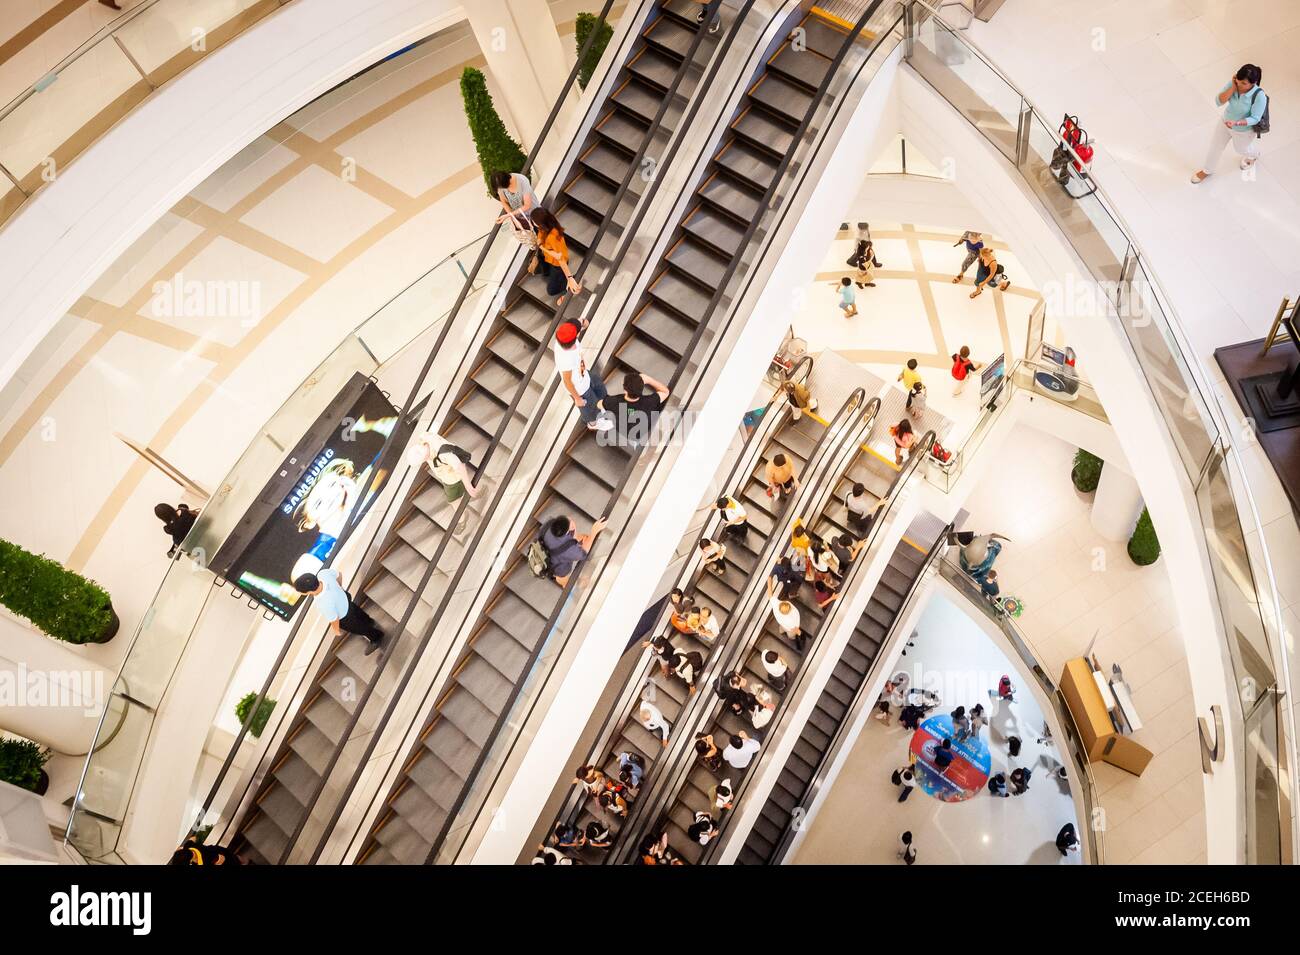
(1144, 546)
(260, 719)
(584, 24)
(22, 764)
(56, 600)
(1086, 473)
(497, 151)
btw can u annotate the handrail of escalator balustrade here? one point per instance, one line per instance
(629, 235)
(407, 406)
(651, 801)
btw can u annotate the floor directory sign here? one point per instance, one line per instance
(964, 777)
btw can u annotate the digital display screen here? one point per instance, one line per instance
(333, 492)
(991, 376)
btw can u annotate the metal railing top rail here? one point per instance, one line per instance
(953, 572)
(405, 412)
(754, 627)
(750, 453)
(768, 203)
(861, 699)
(629, 234)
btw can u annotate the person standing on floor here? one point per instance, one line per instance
(962, 366)
(177, 522)
(988, 273)
(904, 438)
(553, 256)
(974, 243)
(1020, 781)
(336, 606)
(906, 851)
(583, 384)
(905, 780)
(977, 720)
(943, 756)
(848, 297)
(1244, 120)
(960, 724)
(916, 400)
(1067, 840)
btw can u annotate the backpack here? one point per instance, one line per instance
(539, 558)
(897, 778)
(1263, 125)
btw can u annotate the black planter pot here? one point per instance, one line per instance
(43, 785)
(110, 631)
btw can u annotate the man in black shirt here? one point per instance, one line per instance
(636, 411)
(177, 522)
(788, 580)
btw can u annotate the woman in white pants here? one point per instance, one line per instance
(1246, 104)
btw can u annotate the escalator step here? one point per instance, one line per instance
(681, 295)
(700, 264)
(666, 327)
(740, 202)
(800, 68)
(516, 617)
(782, 98)
(822, 37)
(747, 163)
(638, 354)
(469, 716)
(512, 348)
(638, 98)
(482, 679)
(503, 651)
(580, 229)
(670, 35)
(760, 128)
(607, 162)
(452, 747)
(655, 67)
(592, 193)
(623, 129)
(530, 318)
(719, 232)
(582, 491)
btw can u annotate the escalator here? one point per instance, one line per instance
(766, 839)
(747, 559)
(676, 317)
(500, 377)
(693, 792)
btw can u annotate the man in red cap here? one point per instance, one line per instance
(582, 383)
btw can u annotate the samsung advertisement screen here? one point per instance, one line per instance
(335, 490)
(992, 375)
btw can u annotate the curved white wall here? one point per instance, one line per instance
(69, 232)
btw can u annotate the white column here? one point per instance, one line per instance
(1118, 503)
(525, 62)
(48, 692)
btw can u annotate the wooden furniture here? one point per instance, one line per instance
(1087, 705)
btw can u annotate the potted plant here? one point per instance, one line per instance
(497, 151)
(260, 719)
(58, 601)
(1086, 472)
(583, 25)
(1144, 546)
(22, 763)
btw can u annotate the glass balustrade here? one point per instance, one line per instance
(1244, 584)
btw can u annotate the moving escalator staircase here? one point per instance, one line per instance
(678, 315)
(270, 830)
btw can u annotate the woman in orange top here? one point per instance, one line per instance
(799, 538)
(553, 254)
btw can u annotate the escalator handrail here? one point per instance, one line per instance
(766, 202)
(506, 420)
(752, 602)
(809, 795)
(404, 413)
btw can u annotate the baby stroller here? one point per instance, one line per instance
(1074, 152)
(863, 257)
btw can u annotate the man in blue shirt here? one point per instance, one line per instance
(1246, 105)
(336, 606)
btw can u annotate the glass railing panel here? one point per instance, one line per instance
(87, 96)
(977, 91)
(1267, 830)
(101, 801)
(166, 628)
(174, 34)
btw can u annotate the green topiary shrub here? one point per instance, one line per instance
(1086, 472)
(21, 763)
(1144, 546)
(63, 604)
(497, 152)
(263, 713)
(585, 23)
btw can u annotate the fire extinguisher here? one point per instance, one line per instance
(1072, 137)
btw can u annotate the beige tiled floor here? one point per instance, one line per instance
(1077, 586)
